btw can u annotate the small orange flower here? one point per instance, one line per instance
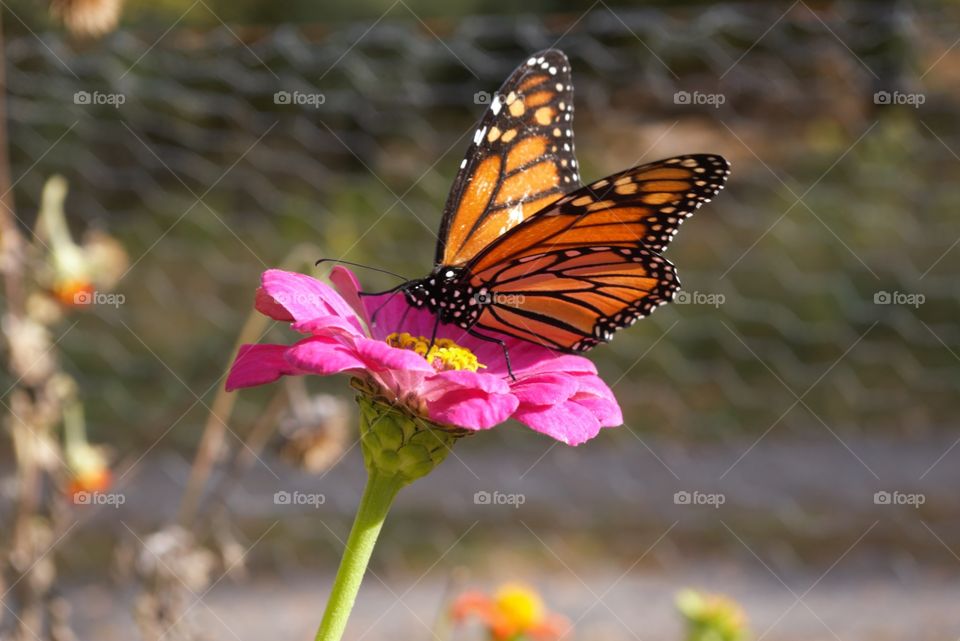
(90, 481)
(89, 469)
(73, 274)
(514, 611)
(73, 292)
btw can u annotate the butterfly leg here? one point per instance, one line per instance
(433, 337)
(503, 346)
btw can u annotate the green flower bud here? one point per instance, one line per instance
(396, 442)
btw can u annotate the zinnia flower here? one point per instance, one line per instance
(514, 611)
(461, 381)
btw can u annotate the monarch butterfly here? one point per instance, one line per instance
(525, 251)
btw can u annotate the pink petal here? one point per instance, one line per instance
(451, 380)
(569, 422)
(378, 356)
(545, 389)
(473, 400)
(349, 288)
(259, 364)
(302, 297)
(592, 384)
(607, 412)
(328, 326)
(472, 409)
(323, 356)
(265, 304)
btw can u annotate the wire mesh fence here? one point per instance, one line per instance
(825, 271)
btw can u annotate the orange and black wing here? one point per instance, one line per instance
(573, 299)
(639, 207)
(520, 161)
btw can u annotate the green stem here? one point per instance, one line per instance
(377, 497)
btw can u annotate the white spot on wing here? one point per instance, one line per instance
(514, 218)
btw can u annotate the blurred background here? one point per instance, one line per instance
(790, 423)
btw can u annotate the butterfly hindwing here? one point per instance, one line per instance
(521, 159)
(640, 207)
(573, 299)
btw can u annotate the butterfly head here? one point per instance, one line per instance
(446, 293)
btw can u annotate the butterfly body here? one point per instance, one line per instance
(448, 294)
(526, 251)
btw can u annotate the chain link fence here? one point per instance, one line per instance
(825, 271)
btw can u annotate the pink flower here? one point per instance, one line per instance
(464, 384)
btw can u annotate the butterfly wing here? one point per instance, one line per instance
(573, 299)
(520, 161)
(639, 207)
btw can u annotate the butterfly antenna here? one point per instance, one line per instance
(352, 264)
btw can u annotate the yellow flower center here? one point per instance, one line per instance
(444, 355)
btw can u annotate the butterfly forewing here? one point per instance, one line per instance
(521, 159)
(571, 300)
(639, 207)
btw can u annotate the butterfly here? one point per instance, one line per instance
(526, 251)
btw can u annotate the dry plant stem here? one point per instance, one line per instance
(11, 240)
(214, 430)
(19, 555)
(245, 455)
